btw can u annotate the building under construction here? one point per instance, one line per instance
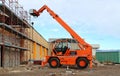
(19, 41)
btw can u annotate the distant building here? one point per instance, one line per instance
(94, 49)
(108, 56)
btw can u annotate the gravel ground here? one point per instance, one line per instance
(106, 70)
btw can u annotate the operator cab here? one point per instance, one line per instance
(62, 45)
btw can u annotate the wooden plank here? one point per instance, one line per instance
(6, 57)
(34, 51)
(45, 52)
(42, 56)
(18, 57)
(40, 52)
(37, 52)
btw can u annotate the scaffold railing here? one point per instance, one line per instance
(17, 9)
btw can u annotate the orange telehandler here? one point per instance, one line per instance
(61, 53)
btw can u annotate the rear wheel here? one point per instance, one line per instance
(54, 62)
(82, 63)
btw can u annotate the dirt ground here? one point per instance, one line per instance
(106, 70)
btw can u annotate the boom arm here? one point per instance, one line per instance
(83, 45)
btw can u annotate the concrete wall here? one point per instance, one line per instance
(34, 35)
(38, 52)
(37, 49)
(94, 48)
(11, 57)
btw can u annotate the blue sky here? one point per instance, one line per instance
(97, 21)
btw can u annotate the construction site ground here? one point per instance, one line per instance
(23, 70)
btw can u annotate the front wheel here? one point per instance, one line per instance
(82, 63)
(54, 62)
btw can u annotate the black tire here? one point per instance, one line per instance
(56, 61)
(82, 63)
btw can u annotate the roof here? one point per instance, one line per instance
(95, 46)
(108, 51)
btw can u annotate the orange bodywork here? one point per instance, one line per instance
(67, 59)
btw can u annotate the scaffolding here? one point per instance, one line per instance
(17, 9)
(17, 42)
(14, 21)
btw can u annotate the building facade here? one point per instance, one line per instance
(19, 41)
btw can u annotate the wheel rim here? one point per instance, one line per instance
(53, 63)
(82, 63)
